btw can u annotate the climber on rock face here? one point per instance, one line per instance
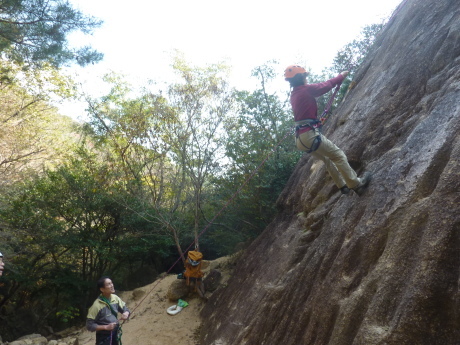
(308, 129)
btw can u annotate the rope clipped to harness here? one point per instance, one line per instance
(314, 125)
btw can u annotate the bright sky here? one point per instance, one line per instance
(138, 36)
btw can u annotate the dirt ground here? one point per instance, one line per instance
(150, 324)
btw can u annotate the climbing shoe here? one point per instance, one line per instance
(365, 180)
(344, 190)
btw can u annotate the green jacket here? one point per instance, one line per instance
(100, 313)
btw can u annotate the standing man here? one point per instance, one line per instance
(308, 134)
(103, 314)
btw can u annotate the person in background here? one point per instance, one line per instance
(308, 135)
(102, 317)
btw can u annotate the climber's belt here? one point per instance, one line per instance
(308, 123)
(312, 124)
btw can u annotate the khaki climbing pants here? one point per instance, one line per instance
(335, 160)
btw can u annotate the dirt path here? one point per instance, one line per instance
(150, 324)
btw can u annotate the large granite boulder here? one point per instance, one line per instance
(31, 339)
(382, 268)
(37, 339)
(178, 289)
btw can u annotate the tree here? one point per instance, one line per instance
(32, 134)
(261, 157)
(349, 58)
(34, 31)
(136, 133)
(352, 54)
(203, 100)
(64, 230)
(171, 146)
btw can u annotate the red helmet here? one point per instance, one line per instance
(292, 70)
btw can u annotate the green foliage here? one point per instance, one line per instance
(203, 100)
(34, 31)
(349, 58)
(32, 134)
(170, 146)
(353, 53)
(68, 314)
(135, 134)
(261, 130)
(68, 228)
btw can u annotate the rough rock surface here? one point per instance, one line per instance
(212, 280)
(382, 268)
(178, 289)
(37, 339)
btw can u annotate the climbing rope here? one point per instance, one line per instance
(328, 106)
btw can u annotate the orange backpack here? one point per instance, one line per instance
(193, 265)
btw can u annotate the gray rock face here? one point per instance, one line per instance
(212, 280)
(382, 268)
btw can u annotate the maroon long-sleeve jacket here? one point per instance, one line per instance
(303, 100)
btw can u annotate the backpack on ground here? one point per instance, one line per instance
(193, 266)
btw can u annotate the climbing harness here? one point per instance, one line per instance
(315, 124)
(114, 313)
(119, 334)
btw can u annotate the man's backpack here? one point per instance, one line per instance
(193, 265)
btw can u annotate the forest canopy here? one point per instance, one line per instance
(35, 31)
